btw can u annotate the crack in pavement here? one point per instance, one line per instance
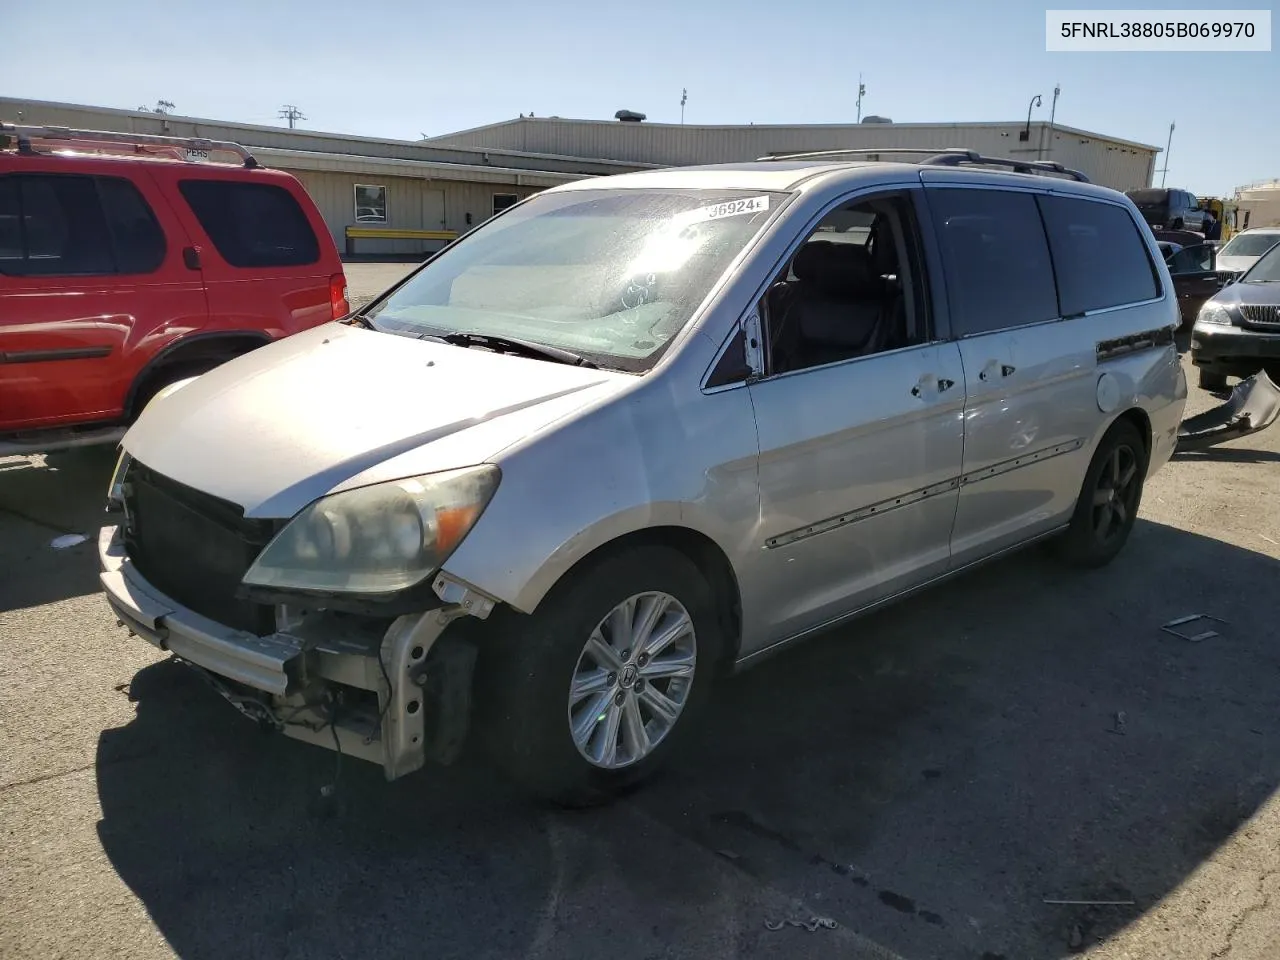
(1245, 915)
(46, 777)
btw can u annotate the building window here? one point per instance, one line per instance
(501, 201)
(371, 203)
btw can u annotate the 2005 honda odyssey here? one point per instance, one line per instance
(639, 431)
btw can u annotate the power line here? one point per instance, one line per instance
(291, 113)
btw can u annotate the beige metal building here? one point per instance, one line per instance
(1120, 164)
(383, 197)
(362, 185)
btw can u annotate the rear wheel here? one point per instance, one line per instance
(1212, 381)
(587, 696)
(1109, 499)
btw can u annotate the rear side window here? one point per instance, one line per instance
(1098, 253)
(995, 259)
(252, 224)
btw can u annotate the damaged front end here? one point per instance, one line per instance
(395, 691)
(1253, 406)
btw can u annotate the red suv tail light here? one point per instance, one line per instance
(338, 296)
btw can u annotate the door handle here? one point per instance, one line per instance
(191, 257)
(943, 385)
(1007, 370)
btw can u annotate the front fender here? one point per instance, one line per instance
(654, 460)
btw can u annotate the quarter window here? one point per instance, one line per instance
(1098, 253)
(57, 225)
(995, 259)
(252, 224)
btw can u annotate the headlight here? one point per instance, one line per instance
(1212, 313)
(115, 491)
(378, 539)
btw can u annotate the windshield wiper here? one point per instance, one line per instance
(502, 344)
(359, 320)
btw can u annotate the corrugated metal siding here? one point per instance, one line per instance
(412, 204)
(1113, 163)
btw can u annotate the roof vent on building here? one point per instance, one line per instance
(628, 116)
(874, 119)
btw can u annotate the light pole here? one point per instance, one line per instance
(1165, 169)
(684, 96)
(1053, 111)
(1026, 131)
(862, 89)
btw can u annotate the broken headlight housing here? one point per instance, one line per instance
(376, 540)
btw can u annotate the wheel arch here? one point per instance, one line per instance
(218, 345)
(703, 551)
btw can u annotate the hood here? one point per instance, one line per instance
(1235, 264)
(338, 406)
(1256, 293)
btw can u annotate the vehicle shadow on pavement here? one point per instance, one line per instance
(926, 776)
(43, 498)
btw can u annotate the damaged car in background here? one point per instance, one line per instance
(634, 433)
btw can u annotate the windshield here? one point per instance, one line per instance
(1265, 270)
(611, 275)
(1249, 244)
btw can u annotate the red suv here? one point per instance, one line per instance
(128, 262)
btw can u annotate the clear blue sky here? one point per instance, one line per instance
(399, 69)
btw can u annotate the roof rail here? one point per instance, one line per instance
(180, 148)
(843, 152)
(947, 157)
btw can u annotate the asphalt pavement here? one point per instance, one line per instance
(927, 777)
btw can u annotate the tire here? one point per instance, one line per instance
(529, 663)
(1178, 224)
(1212, 381)
(1085, 544)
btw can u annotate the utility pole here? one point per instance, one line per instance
(861, 90)
(1057, 89)
(1165, 168)
(684, 98)
(291, 113)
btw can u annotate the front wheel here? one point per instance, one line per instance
(586, 697)
(1109, 499)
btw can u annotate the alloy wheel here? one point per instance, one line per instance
(632, 680)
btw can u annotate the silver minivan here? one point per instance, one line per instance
(639, 431)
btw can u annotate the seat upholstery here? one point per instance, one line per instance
(839, 302)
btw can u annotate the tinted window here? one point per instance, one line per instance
(1098, 253)
(1197, 259)
(252, 224)
(53, 226)
(139, 241)
(996, 259)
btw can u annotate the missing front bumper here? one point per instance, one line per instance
(395, 695)
(1254, 405)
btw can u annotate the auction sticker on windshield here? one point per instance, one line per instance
(733, 208)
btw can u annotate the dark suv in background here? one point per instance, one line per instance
(1168, 208)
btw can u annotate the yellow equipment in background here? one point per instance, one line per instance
(1224, 211)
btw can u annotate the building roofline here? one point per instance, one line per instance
(433, 143)
(992, 124)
